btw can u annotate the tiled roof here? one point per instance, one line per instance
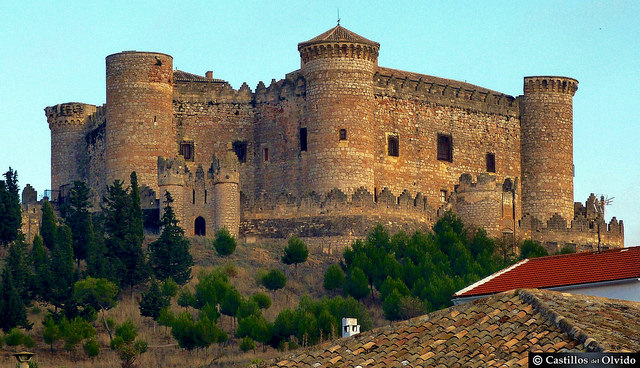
(495, 331)
(561, 270)
(179, 75)
(338, 34)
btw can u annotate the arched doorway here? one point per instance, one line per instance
(200, 226)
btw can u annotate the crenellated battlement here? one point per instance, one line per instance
(336, 202)
(71, 113)
(172, 171)
(413, 86)
(550, 84)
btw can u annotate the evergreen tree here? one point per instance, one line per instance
(169, 255)
(99, 294)
(224, 243)
(274, 280)
(333, 278)
(62, 269)
(48, 225)
(12, 310)
(137, 220)
(19, 265)
(295, 252)
(78, 218)
(41, 276)
(153, 301)
(123, 237)
(356, 284)
(10, 209)
(531, 249)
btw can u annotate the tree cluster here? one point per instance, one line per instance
(418, 273)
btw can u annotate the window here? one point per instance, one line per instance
(205, 196)
(303, 139)
(444, 148)
(265, 154)
(393, 145)
(443, 195)
(343, 134)
(186, 150)
(193, 196)
(240, 148)
(491, 162)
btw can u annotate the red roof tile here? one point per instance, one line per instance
(561, 270)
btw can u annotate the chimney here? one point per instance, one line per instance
(350, 327)
(209, 74)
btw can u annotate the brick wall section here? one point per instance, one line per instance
(139, 115)
(547, 146)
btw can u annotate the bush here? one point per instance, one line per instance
(531, 249)
(224, 243)
(91, 348)
(247, 344)
(263, 301)
(15, 337)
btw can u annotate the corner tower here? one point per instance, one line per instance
(547, 146)
(68, 124)
(226, 179)
(139, 115)
(338, 66)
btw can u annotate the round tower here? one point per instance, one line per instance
(139, 115)
(547, 146)
(68, 123)
(226, 193)
(338, 66)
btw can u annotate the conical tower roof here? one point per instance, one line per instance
(338, 34)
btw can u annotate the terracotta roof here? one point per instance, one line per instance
(179, 75)
(561, 270)
(495, 331)
(338, 34)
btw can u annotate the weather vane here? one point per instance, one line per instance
(338, 16)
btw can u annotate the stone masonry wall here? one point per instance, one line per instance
(547, 146)
(139, 115)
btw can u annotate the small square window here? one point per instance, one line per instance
(393, 145)
(187, 151)
(491, 162)
(303, 139)
(445, 152)
(343, 134)
(240, 148)
(443, 195)
(265, 154)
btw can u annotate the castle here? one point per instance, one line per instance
(332, 149)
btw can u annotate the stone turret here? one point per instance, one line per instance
(338, 67)
(139, 115)
(68, 124)
(226, 179)
(172, 173)
(547, 147)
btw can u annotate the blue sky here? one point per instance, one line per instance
(53, 52)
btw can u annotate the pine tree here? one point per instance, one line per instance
(48, 225)
(224, 243)
(41, 276)
(169, 255)
(123, 236)
(153, 301)
(17, 263)
(12, 310)
(10, 209)
(295, 252)
(333, 278)
(62, 268)
(78, 218)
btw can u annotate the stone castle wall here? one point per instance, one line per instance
(341, 142)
